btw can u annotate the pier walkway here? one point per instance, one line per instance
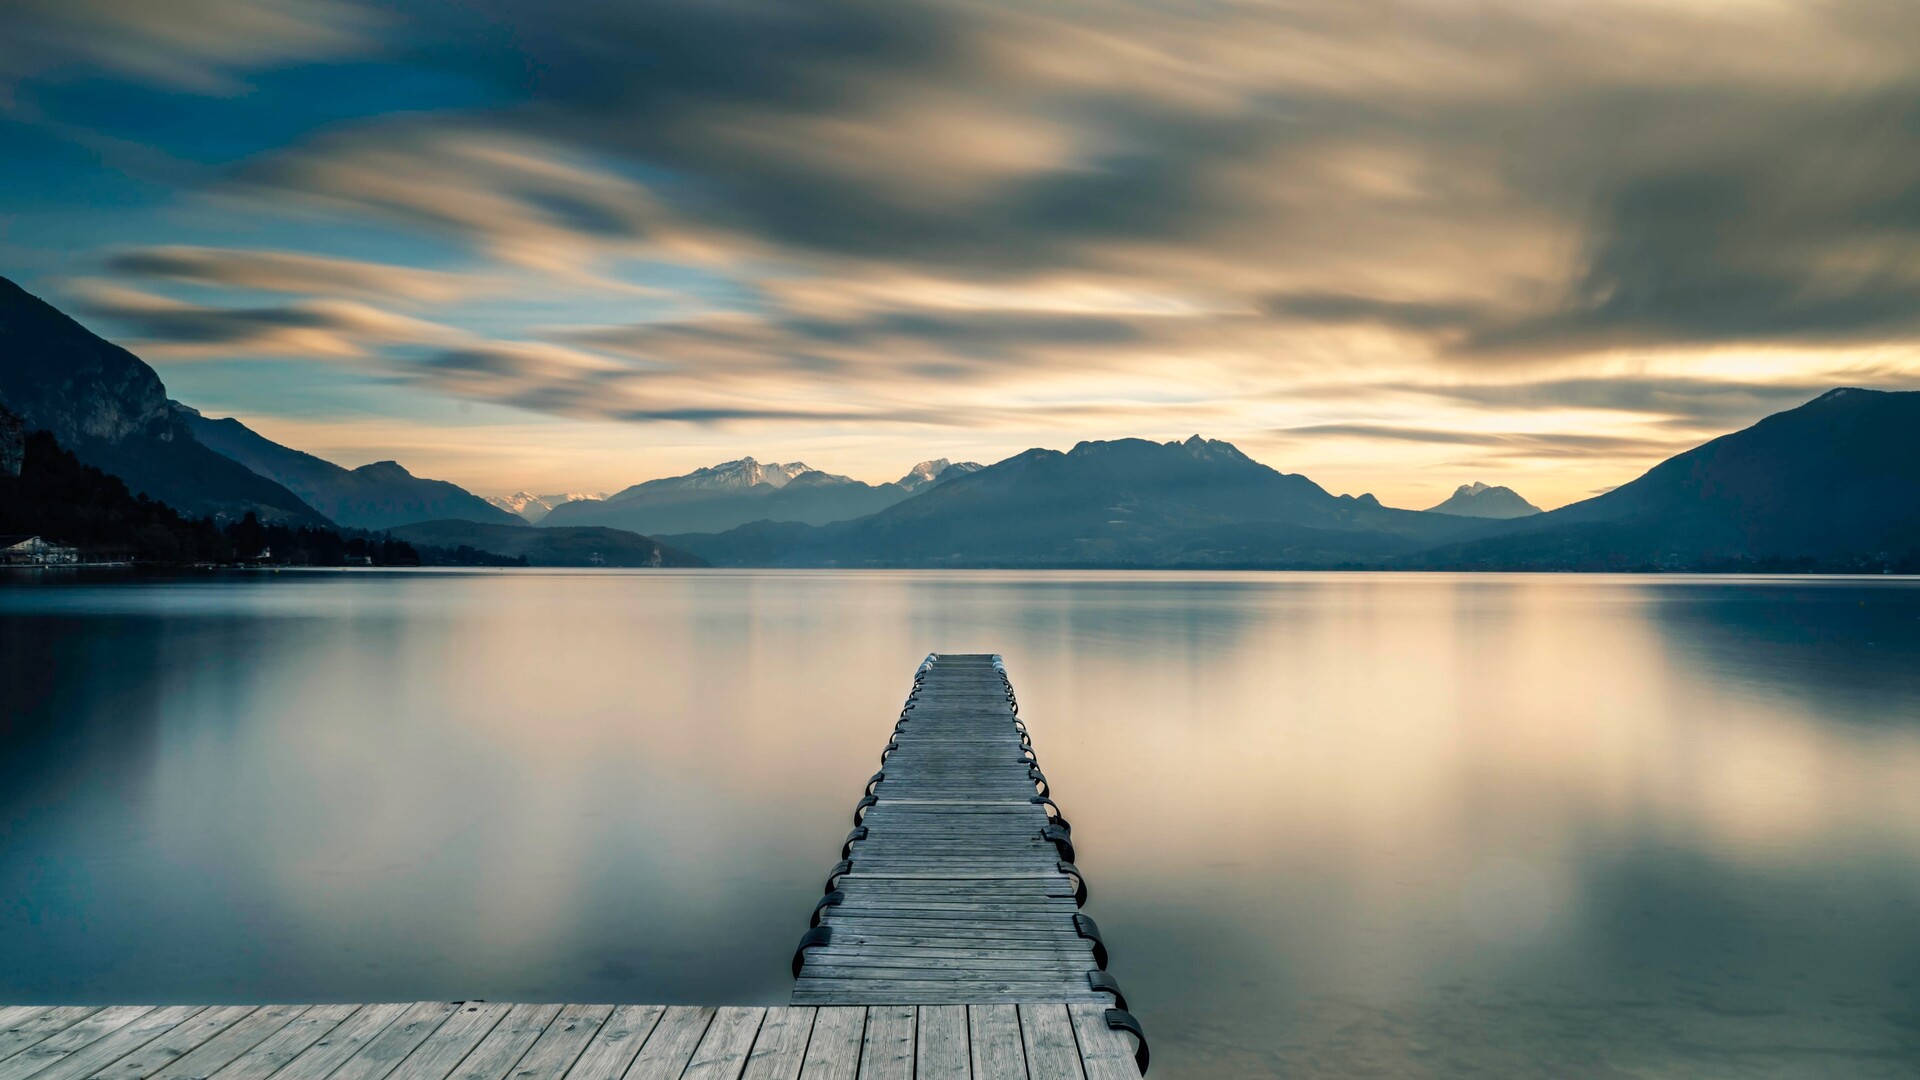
(958, 884)
(949, 945)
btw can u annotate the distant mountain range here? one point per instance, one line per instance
(531, 508)
(1833, 484)
(1482, 501)
(584, 546)
(1127, 502)
(377, 496)
(734, 493)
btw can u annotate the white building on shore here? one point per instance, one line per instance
(35, 551)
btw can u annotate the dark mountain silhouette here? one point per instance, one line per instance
(1128, 502)
(110, 410)
(53, 495)
(1833, 482)
(734, 493)
(377, 496)
(583, 546)
(1483, 501)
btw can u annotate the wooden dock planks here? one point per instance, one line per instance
(955, 892)
(462, 1041)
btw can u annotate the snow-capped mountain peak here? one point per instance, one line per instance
(1485, 501)
(742, 473)
(929, 471)
(534, 507)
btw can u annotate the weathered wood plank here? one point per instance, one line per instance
(1106, 1054)
(69, 1039)
(671, 1045)
(103, 1052)
(1052, 1052)
(993, 1037)
(506, 1043)
(932, 996)
(561, 1045)
(887, 1052)
(824, 993)
(184, 1038)
(918, 952)
(891, 969)
(40, 1026)
(834, 1052)
(722, 1053)
(439, 1053)
(385, 1051)
(944, 968)
(611, 1051)
(781, 1047)
(940, 1043)
(336, 1047)
(243, 1035)
(276, 1050)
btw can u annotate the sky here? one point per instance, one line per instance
(1395, 246)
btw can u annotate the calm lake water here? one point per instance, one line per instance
(1334, 825)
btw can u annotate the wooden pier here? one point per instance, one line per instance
(949, 945)
(958, 884)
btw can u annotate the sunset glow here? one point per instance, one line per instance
(1395, 246)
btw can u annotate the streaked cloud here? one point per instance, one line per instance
(1566, 237)
(1511, 443)
(517, 199)
(295, 272)
(327, 329)
(199, 45)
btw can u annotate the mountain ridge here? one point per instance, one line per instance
(1834, 479)
(378, 495)
(733, 493)
(1121, 502)
(110, 410)
(1834, 482)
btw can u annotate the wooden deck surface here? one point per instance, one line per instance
(434, 1040)
(953, 890)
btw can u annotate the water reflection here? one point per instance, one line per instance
(1337, 825)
